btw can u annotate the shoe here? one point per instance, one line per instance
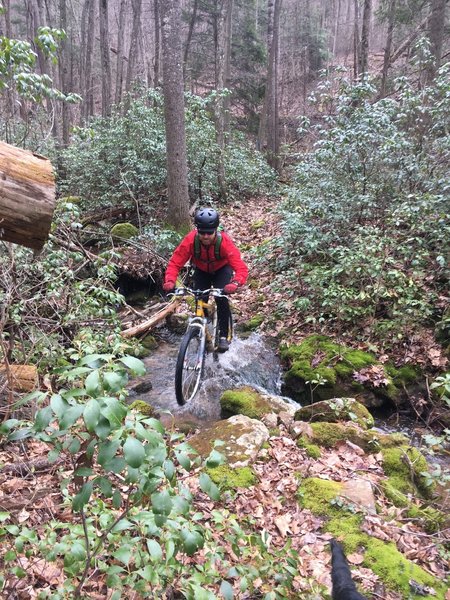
(223, 344)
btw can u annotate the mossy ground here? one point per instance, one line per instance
(382, 557)
(143, 408)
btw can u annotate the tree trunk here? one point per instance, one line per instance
(104, 56)
(27, 197)
(365, 33)
(120, 49)
(222, 65)
(157, 41)
(88, 107)
(189, 36)
(436, 27)
(134, 43)
(388, 47)
(356, 43)
(63, 74)
(173, 88)
(271, 120)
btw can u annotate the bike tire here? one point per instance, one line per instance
(189, 366)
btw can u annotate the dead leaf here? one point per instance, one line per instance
(355, 559)
(283, 524)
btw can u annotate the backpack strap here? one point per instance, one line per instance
(217, 245)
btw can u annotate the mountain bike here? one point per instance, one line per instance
(201, 337)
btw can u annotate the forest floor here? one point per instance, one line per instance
(31, 493)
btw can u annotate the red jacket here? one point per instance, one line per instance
(229, 255)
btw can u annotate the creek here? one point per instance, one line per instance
(249, 361)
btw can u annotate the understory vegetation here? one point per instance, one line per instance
(364, 243)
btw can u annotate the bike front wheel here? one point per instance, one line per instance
(189, 367)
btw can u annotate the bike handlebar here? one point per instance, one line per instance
(186, 291)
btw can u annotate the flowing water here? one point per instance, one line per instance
(249, 361)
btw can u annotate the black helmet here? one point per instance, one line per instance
(206, 220)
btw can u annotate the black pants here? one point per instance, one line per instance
(219, 279)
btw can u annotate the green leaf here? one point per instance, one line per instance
(154, 550)
(184, 460)
(59, 405)
(215, 459)
(91, 414)
(135, 365)
(82, 498)
(114, 382)
(105, 486)
(116, 499)
(226, 589)
(103, 428)
(123, 554)
(122, 525)
(95, 360)
(71, 416)
(192, 541)
(43, 418)
(92, 384)
(209, 487)
(114, 411)
(169, 469)
(134, 452)
(161, 503)
(106, 451)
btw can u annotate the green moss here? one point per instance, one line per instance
(431, 519)
(253, 323)
(124, 231)
(244, 401)
(149, 342)
(316, 495)
(319, 358)
(312, 450)
(402, 375)
(329, 434)
(230, 479)
(338, 409)
(257, 224)
(381, 557)
(406, 469)
(391, 491)
(143, 408)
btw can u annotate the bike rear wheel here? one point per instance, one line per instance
(189, 367)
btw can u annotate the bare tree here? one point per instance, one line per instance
(63, 73)
(365, 32)
(157, 20)
(269, 133)
(133, 56)
(173, 89)
(388, 46)
(104, 54)
(436, 28)
(120, 49)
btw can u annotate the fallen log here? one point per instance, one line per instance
(27, 197)
(22, 378)
(154, 320)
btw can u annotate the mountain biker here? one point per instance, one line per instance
(217, 262)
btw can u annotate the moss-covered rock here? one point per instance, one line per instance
(247, 401)
(149, 342)
(243, 437)
(321, 369)
(228, 478)
(253, 323)
(328, 435)
(407, 470)
(383, 558)
(143, 408)
(124, 231)
(312, 450)
(334, 410)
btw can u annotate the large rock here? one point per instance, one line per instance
(242, 437)
(248, 401)
(334, 410)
